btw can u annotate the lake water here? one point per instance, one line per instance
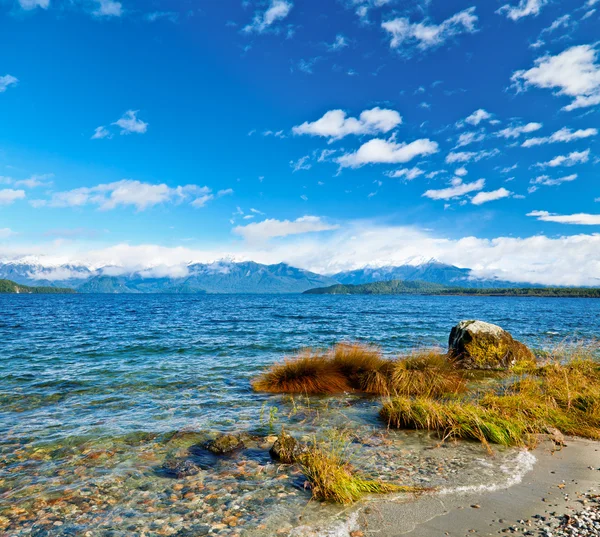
(97, 390)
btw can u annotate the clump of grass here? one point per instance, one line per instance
(333, 479)
(353, 367)
(427, 374)
(308, 373)
(455, 419)
(559, 395)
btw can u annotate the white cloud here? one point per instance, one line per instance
(201, 201)
(563, 135)
(301, 164)
(477, 117)
(277, 10)
(457, 190)
(36, 180)
(468, 156)
(271, 228)
(424, 36)
(407, 173)
(126, 192)
(467, 138)
(6, 81)
(515, 132)
(9, 196)
(524, 8)
(564, 260)
(225, 192)
(574, 73)
(580, 219)
(339, 43)
(576, 157)
(546, 180)
(108, 8)
(379, 151)
(335, 124)
(461, 172)
(6, 232)
(130, 123)
(484, 197)
(32, 4)
(100, 133)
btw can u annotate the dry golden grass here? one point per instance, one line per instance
(308, 373)
(360, 368)
(427, 374)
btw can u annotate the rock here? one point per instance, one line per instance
(287, 449)
(194, 531)
(180, 467)
(556, 436)
(481, 345)
(225, 443)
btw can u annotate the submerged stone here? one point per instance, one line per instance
(223, 444)
(180, 467)
(481, 345)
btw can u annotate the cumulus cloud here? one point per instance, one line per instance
(301, 164)
(130, 123)
(127, 192)
(457, 190)
(336, 125)
(32, 4)
(567, 260)
(572, 159)
(476, 118)
(9, 196)
(580, 219)
(271, 228)
(423, 35)
(524, 8)
(574, 73)
(277, 11)
(407, 173)
(6, 81)
(100, 133)
(563, 135)
(484, 197)
(516, 131)
(379, 151)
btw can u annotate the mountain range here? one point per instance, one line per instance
(232, 277)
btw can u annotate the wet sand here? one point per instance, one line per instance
(555, 486)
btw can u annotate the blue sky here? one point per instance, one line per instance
(330, 135)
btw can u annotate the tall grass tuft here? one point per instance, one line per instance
(333, 479)
(427, 374)
(308, 373)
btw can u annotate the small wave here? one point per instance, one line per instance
(341, 529)
(524, 463)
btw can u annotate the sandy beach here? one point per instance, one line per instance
(555, 486)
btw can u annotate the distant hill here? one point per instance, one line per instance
(221, 277)
(394, 287)
(431, 271)
(8, 286)
(398, 287)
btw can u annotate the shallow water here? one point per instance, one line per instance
(93, 389)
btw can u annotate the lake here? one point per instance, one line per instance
(97, 390)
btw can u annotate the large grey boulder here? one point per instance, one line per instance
(481, 345)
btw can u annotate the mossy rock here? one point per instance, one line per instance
(481, 345)
(224, 443)
(287, 449)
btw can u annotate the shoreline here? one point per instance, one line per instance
(554, 487)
